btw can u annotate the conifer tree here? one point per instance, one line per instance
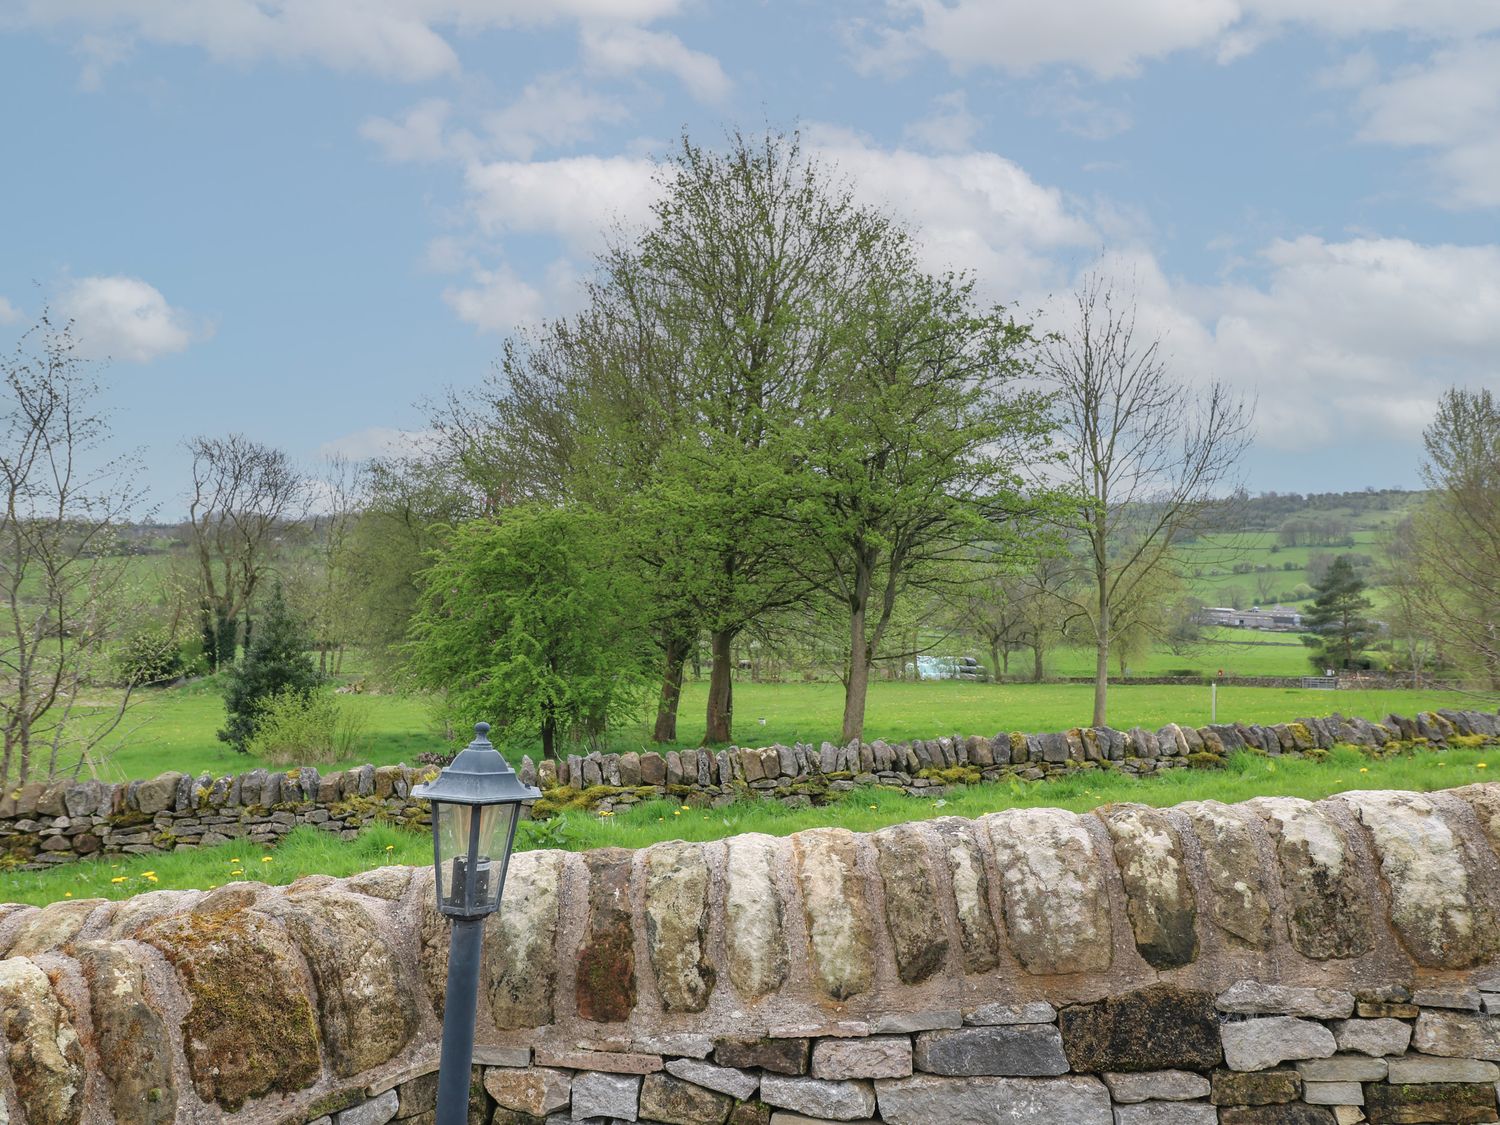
(1340, 631)
(278, 661)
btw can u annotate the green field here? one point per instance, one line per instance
(307, 850)
(174, 729)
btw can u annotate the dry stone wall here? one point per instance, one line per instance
(1273, 962)
(41, 826)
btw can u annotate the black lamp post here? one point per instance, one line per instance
(476, 801)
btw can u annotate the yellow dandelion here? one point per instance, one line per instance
(265, 859)
(390, 847)
(1480, 766)
(213, 886)
(1364, 769)
(676, 812)
(67, 894)
(148, 874)
(872, 806)
(152, 878)
(118, 879)
(234, 861)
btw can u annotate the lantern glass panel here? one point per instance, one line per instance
(459, 849)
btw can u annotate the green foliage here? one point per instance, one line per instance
(149, 656)
(277, 663)
(527, 622)
(298, 727)
(1340, 631)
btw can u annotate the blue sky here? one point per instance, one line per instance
(296, 218)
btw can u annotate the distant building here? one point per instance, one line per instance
(1276, 619)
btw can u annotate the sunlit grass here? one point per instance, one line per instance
(308, 850)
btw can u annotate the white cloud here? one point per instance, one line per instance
(1340, 342)
(552, 111)
(9, 314)
(376, 441)
(418, 135)
(621, 50)
(1112, 39)
(949, 128)
(574, 199)
(1450, 104)
(498, 301)
(400, 39)
(125, 318)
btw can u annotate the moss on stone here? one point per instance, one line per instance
(953, 775)
(1203, 760)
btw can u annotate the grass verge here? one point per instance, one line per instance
(307, 850)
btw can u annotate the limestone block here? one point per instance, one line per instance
(819, 1097)
(1333, 1093)
(1015, 1050)
(52, 927)
(606, 1095)
(754, 941)
(42, 1049)
(1254, 998)
(1453, 1103)
(1032, 1011)
(1329, 915)
(1460, 999)
(1159, 899)
(1157, 1085)
(1433, 909)
(537, 1090)
(1458, 1035)
(738, 1084)
(1257, 1044)
(838, 916)
(519, 967)
(376, 1111)
(1430, 1068)
(676, 912)
(1166, 1113)
(1056, 908)
(924, 1099)
(1376, 1037)
(971, 893)
(1292, 1114)
(131, 1038)
(919, 939)
(879, 1056)
(1343, 1068)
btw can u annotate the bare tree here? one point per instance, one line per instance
(245, 497)
(1152, 457)
(60, 567)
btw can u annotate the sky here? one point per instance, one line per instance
(296, 219)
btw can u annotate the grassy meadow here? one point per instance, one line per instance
(308, 850)
(174, 729)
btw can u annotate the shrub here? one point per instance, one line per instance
(277, 662)
(304, 728)
(150, 656)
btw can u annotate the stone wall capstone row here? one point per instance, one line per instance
(787, 982)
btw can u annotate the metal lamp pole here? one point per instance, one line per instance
(476, 802)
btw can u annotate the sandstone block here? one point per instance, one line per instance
(1016, 1050)
(738, 1084)
(1452, 1103)
(1155, 1028)
(1342, 1068)
(606, 985)
(1032, 1011)
(817, 1097)
(971, 894)
(1291, 1114)
(42, 1048)
(875, 1057)
(921, 947)
(1253, 998)
(1333, 1093)
(605, 1095)
(131, 1038)
(1458, 1034)
(1056, 908)
(779, 1056)
(675, 1102)
(1157, 1085)
(1255, 1087)
(537, 1090)
(905, 1023)
(924, 1099)
(1258, 1044)
(1376, 1037)
(1459, 999)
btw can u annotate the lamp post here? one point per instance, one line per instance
(476, 801)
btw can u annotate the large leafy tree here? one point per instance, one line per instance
(1340, 631)
(527, 621)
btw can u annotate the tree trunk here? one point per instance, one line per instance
(549, 736)
(858, 687)
(671, 692)
(1101, 663)
(995, 659)
(1036, 667)
(720, 724)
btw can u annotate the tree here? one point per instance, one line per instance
(245, 495)
(911, 460)
(1152, 459)
(1339, 630)
(60, 570)
(527, 621)
(276, 663)
(1453, 574)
